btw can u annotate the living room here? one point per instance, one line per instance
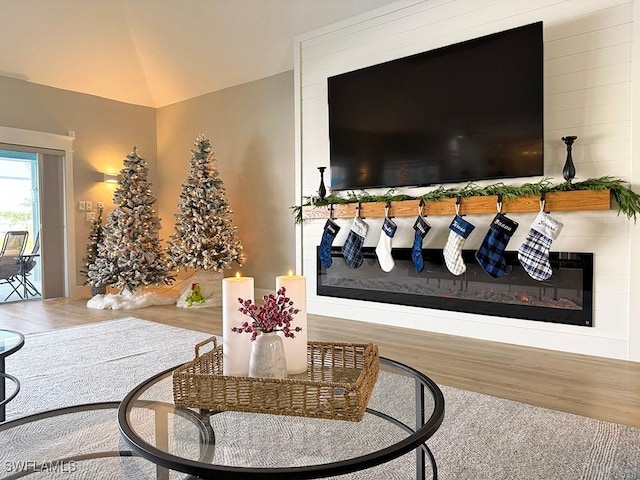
(268, 140)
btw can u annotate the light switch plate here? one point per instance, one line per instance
(89, 206)
(82, 205)
(91, 216)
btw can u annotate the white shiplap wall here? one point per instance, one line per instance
(588, 93)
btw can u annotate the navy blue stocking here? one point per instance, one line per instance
(421, 228)
(331, 229)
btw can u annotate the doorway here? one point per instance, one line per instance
(20, 211)
(32, 199)
(56, 200)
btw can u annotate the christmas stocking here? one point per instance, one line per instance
(534, 252)
(490, 255)
(421, 228)
(383, 250)
(460, 230)
(352, 248)
(331, 229)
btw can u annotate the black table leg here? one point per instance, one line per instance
(162, 437)
(2, 391)
(420, 452)
(420, 420)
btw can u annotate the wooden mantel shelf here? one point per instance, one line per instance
(572, 201)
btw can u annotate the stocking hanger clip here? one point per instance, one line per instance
(330, 208)
(543, 201)
(358, 210)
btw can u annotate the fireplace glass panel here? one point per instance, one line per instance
(566, 297)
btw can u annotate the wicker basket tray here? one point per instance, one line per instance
(337, 385)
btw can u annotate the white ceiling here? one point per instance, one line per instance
(158, 52)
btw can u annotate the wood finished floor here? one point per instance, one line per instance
(590, 386)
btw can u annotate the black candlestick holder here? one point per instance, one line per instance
(569, 169)
(322, 190)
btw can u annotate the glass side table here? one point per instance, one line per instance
(10, 342)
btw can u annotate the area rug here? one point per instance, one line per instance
(97, 362)
(482, 437)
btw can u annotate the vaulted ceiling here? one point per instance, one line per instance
(158, 52)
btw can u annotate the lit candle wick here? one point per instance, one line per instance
(237, 274)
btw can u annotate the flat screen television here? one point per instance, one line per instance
(464, 112)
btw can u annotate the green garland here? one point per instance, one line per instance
(628, 202)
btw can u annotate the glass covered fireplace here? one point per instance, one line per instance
(566, 297)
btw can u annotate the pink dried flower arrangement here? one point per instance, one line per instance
(275, 314)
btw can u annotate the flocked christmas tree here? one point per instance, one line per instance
(204, 236)
(130, 255)
(91, 253)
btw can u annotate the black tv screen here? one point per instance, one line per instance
(465, 112)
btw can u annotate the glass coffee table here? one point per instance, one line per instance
(10, 342)
(406, 408)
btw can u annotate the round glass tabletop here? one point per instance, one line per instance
(77, 442)
(406, 408)
(10, 341)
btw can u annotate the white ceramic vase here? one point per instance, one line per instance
(267, 357)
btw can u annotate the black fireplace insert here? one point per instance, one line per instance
(566, 297)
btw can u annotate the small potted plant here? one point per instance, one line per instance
(96, 236)
(267, 351)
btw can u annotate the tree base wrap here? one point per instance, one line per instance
(129, 301)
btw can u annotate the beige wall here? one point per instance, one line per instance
(106, 131)
(251, 128)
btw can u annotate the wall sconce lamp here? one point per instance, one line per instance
(110, 178)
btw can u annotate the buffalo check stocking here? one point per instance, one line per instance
(490, 255)
(534, 252)
(352, 248)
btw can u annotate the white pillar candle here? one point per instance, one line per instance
(295, 348)
(236, 347)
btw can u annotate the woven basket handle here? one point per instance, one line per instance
(204, 342)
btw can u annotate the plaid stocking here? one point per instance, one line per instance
(331, 229)
(534, 252)
(490, 255)
(460, 230)
(352, 248)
